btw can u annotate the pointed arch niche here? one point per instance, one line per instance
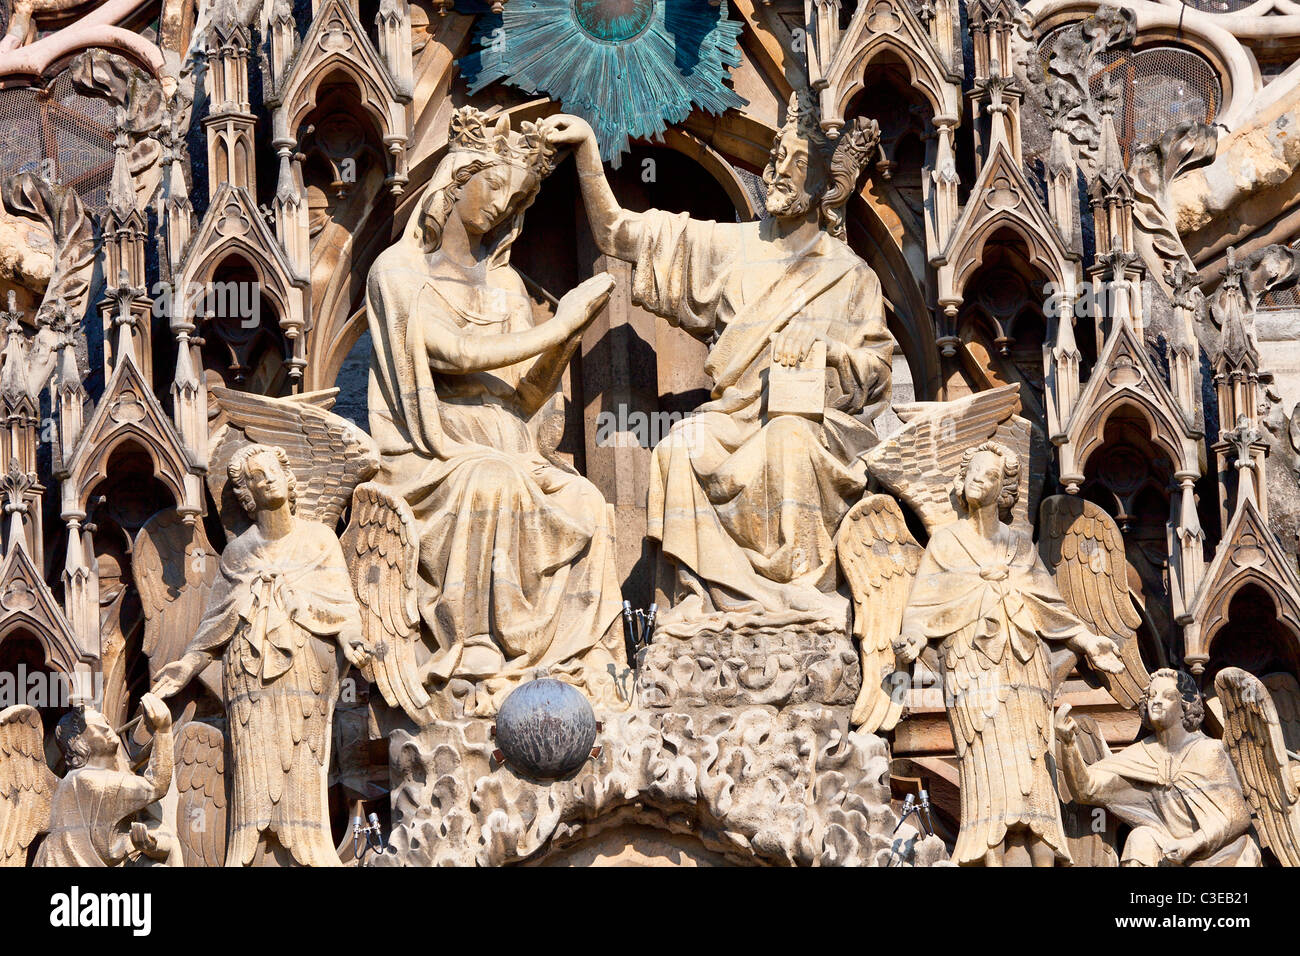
(1254, 635)
(1002, 326)
(244, 346)
(1132, 478)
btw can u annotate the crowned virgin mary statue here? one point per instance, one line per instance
(516, 563)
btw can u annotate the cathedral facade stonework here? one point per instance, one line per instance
(649, 432)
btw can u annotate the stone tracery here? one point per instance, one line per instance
(1107, 307)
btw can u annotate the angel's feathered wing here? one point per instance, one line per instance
(382, 548)
(26, 783)
(1088, 845)
(879, 558)
(920, 460)
(200, 759)
(1082, 546)
(174, 568)
(328, 455)
(1253, 735)
(1285, 691)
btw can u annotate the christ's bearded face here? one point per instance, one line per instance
(789, 176)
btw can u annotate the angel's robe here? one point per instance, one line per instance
(746, 507)
(276, 615)
(91, 816)
(992, 607)
(1168, 796)
(517, 568)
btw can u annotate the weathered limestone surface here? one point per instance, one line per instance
(932, 373)
(753, 784)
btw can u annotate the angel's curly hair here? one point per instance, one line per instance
(70, 735)
(1193, 702)
(1010, 491)
(237, 470)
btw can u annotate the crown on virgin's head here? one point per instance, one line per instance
(474, 131)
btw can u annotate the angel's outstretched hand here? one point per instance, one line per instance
(1103, 654)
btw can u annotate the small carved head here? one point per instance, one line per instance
(795, 174)
(84, 733)
(490, 175)
(486, 196)
(799, 163)
(1172, 695)
(989, 472)
(262, 479)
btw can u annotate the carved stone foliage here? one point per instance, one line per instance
(1059, 77)
(1154, 167)
(141, 110)
(60, 211)
(752, 784)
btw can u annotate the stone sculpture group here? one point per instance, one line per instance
(800, 607)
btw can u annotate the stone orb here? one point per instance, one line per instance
(546, 728)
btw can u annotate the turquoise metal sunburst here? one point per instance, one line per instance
(628, 67)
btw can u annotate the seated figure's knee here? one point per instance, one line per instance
(1142, 848)
(789, 428)
(494, 479)
(685, 434)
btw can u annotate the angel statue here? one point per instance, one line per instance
(984, 596)
(281, 614)
(95, 814)
(1078, 542)
(1269, 772)
(476, 558)
(1175, 787)
(747, 494)
(26, 783)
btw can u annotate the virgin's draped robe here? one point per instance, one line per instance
(1167, 796)
(277, 612)
(991, 608)
(746, 508)
(516, 563)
